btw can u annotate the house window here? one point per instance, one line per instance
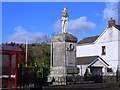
(109, 70)
(103, 50)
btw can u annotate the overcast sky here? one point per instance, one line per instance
(37, 19)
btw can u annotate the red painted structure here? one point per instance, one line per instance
(11, 56)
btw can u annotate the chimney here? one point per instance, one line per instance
(111, 23)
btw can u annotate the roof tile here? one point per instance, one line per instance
(88, 40)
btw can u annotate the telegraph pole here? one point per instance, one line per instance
(26, 47)
(119, 12)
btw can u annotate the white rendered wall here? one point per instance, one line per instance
(109, 35)
(82, 69)
(109, 39)
(119, 54)
(87, 50)
(119, 50)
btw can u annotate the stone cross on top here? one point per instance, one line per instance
(64, 20)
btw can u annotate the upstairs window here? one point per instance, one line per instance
(103, 50)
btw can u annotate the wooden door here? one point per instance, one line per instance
(96, 70)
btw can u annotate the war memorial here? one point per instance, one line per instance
(63, 68)
(63, 55)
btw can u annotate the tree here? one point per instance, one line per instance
(41, 55)
(44, 39)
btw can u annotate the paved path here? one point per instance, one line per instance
(95, 86)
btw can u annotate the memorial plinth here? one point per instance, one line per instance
(63, 56)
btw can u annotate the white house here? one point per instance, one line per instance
(101, 54)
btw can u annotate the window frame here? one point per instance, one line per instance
(103, 50)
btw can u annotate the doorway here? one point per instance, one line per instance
(96, 74)
(96, 70)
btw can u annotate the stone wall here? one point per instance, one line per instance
(98, 86)
(111, 79)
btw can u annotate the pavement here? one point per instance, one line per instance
(95, 86)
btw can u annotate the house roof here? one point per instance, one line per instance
(11, 48)
(87, 60)
(88, 40)
(117, 26)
